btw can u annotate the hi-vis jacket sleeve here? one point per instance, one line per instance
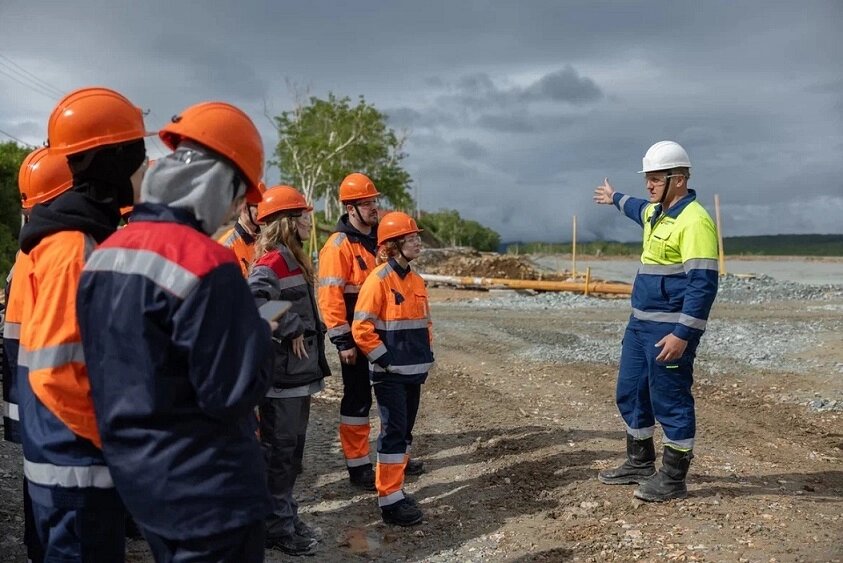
(370, 303)
(51, 343)
(227, 343)
(698, 245)
(632, 207)
(334, 270)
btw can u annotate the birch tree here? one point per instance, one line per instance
(322, 141)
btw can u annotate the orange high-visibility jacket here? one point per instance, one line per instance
(242, 243)
(392, 324)
(345, 262)
(11, 345)
(50, 341)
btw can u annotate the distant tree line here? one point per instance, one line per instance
(452, 230)
(764, 245)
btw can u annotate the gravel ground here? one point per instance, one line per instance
(518, 416)
(775, 345)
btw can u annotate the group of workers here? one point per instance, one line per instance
(141, 377)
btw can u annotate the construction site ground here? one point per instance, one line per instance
(518, 416)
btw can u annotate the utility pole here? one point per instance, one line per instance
(574, 249)
(720, 251)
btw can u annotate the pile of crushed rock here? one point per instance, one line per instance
(763, 288)
(463, 261)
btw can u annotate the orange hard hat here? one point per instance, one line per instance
(357, 186)
(281, 198)
(93, 117)
(126, 210)
(43, 176)
(227, 131)
(396, 224)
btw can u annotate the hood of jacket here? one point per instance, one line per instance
(197, 180)
(370, 241)
(71, 211)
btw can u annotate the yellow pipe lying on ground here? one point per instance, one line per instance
(616, 288)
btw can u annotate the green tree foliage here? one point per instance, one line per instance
(324, 140)
(450, 228)
(11, 157)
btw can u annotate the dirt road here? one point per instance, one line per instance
(512, 442)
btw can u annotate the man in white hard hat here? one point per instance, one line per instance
(672, 295)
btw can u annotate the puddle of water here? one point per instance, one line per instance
(360, 540)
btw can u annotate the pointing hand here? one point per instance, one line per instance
(604, 192)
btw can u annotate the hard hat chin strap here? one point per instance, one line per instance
(666, 189)
(257, 227)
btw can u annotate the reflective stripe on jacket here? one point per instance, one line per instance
(345, 262)
(677, 280)
(276, 275)
(11, 345)
(392, 324)
(242, 243)
(179, 359)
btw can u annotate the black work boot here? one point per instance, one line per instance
(292, 544)
(401, 513)
(669, 482)
(414, 467)
(411, 500)
(640, 464)
(362, 477)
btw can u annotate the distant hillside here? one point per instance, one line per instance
(767, 245)
(786, 245)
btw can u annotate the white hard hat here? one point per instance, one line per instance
(665, 155)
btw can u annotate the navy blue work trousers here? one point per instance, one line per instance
(649, 390)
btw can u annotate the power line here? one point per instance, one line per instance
(9, 135)
(40, 90)
(39, 81)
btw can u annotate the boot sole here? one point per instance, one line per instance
(404, 524)
(363, 486)
(624, 480)
(651, 498)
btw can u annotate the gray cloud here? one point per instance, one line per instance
(516, 111)
(564, 85)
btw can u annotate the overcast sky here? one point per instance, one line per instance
(516, 110)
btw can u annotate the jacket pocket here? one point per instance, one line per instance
(421, 307)
(292, 371)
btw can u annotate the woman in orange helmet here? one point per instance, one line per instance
(392, 327)
(282, 270)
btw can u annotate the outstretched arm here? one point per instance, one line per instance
(632, 207)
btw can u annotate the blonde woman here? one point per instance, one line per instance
(282, 271)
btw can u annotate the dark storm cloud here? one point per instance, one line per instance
(564, 85)
(515, 111)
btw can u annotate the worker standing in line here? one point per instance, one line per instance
(77, 512)
(283, 271)
(168, 321)
(392, 328)
(345, 261)
(242, 236)
(672, 295)
(42, 178)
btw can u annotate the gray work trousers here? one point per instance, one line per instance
(283, 427)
